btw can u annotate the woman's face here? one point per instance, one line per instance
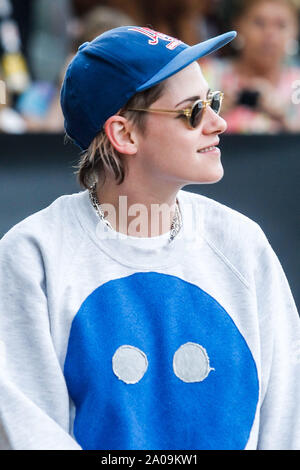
(170, 152)
(267, 28)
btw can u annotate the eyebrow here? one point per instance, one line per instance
(193, 98)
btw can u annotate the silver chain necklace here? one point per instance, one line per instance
(175, 225)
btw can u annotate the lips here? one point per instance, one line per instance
(209, 147)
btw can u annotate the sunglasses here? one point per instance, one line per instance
(195, 113)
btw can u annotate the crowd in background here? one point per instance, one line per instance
(259, 72)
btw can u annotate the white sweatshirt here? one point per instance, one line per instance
(116, 342)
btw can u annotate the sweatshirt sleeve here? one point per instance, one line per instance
(280, 356)
(34, 405)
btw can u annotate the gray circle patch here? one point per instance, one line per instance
(191, 363)
(129, 364)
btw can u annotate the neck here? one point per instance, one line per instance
(253, 70)
(138, 211)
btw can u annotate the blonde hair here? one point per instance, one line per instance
(101, 158)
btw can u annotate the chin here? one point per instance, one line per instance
(212, 178)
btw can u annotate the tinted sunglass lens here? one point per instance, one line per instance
(216, 103)
(197, 113)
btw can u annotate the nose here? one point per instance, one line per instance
(213, 123)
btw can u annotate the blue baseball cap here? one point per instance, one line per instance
(106, 72)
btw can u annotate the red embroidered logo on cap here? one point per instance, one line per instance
(155, 36)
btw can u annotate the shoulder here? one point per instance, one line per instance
(230, 233)
(44, 229)
(216, 212)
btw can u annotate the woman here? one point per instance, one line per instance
(168, 323)
(259, 82)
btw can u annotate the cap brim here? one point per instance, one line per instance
(187, 56)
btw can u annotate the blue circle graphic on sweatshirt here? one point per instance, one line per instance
(155, 362)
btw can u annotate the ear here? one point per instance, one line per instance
(121, 134)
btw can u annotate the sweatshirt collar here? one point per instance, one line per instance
(138, 252)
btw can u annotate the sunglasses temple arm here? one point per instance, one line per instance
(156, 110)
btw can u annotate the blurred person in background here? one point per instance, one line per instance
(259, 80)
